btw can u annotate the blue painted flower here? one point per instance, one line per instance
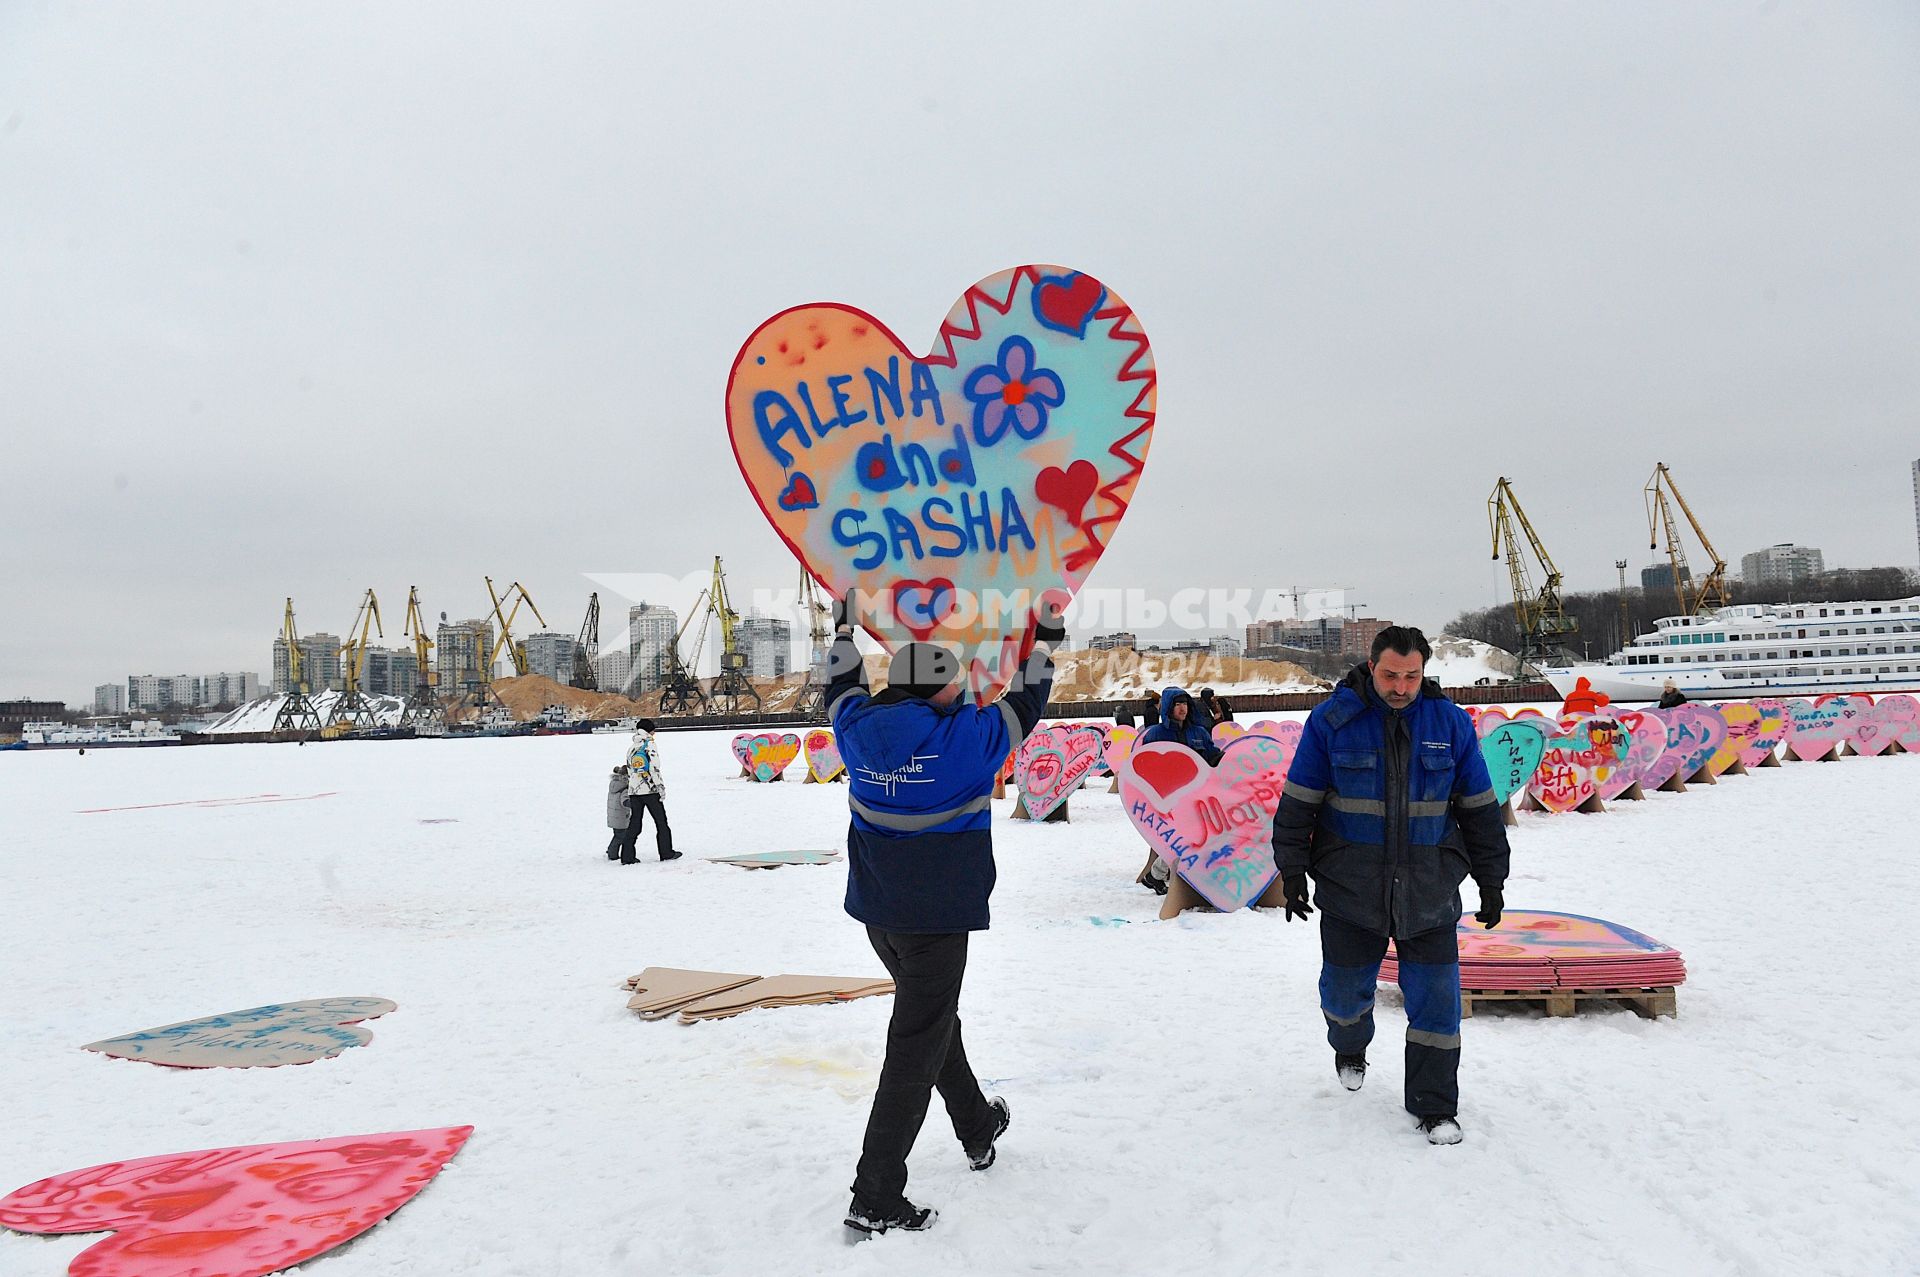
(1012, 389)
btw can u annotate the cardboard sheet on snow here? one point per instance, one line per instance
(774, 859)
(784, 991)
(660, 991)
(258, 1037)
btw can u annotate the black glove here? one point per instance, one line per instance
(1492, 903)
(843, 613)
(1048, 625)
(1295, 887)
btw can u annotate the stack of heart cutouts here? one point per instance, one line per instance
(1576, 755)
(770, 753)
(1052, 763)
(1893, 723)
(1815, 730)
(996, 467)
(824, 763)
(1214, 825)
(1512, 749)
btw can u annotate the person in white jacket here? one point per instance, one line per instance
(646, 795)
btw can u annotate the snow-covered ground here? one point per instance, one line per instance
(1463, 662)
(1174, 1104)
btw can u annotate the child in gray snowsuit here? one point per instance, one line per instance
(619, 815)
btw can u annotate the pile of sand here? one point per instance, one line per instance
(1089, 675)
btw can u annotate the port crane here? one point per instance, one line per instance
(353, 711)
(586, 649)
(297, 713)
(680, 690)
(813, 696)
(732, 690)
(1712, 591)
(1545, 627)
(423, 707)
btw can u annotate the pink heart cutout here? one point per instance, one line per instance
(823, 756)
(1214, 825)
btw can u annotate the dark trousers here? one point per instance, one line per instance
(637, 805)
(924, 1052)
(1430, 983)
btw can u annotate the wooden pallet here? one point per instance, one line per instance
(1649, 1003)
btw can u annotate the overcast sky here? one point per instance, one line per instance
(302, 299)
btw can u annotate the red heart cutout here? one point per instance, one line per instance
(1068, 302)
(1068, 489)
(232, 1212)
(1165, 774)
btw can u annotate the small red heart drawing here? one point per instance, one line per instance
(1068, 489)
(1165, 774)
(232, 1212)
(1067, 302)
(799, 493)
(921, 606)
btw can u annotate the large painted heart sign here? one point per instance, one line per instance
(823, 756)
(768, 754)
(1214, 825)
(1513, 750)
(954, 490)
(232, 1212)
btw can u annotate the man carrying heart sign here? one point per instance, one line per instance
(920, 769)
(1388, 806)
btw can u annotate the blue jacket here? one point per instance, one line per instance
(1390, 812)
(1197, 735)
(919, 781)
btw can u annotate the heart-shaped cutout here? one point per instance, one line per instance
(1575, 756)
(1893, 721)
(232, 1212)
(1214, 825)
(1646, 741)
(1694, 736)
(1053, 762)
(1513, 750)
(823, 757)
(1119, 745)
(743, 750)
(998, 465)
(770, 753)
(258, 1037)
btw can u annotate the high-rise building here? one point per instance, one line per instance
(158, 691)
(1783, 564)
(1357, 634)
(551, 655)
(460, 648)
(767, 642)
(319, 659)
(390, 671)
(110, 698)
(1264, 635)
(1119, 638)
(228, 688)
(1224, 645)
(612, 669)
(651, 628)
(1659, 576)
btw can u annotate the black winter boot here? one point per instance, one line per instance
(1351, 1070)
(981, 1159)
(863, 1221)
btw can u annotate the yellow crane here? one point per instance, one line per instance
(516, 651)
(813, 697)
(296, 711)
(353, 711)
(1545, 626)
(680, 690)
(732, 689)
(423, 707)
(1713, 587)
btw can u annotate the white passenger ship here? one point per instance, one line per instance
(1764, 649)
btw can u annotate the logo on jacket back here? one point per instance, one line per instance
(911, 774)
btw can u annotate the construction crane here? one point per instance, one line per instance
(516, 651)
(423, 707)
(732, 689)
(1713, 587)
(353, 711)
(680, 690)
(297, 713)
(586, 649)
(1544, 624)
(813, 696)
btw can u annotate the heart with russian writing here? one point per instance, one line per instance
(232, 1212)
(769, 753)
(1893, 720)
(1512, 750)
(1214, 825)
(1814, 730)
(1853, 708)
(1745, 722)
(954, 490)
(259, 1037)
(1767, 735)
(1694, 734)
(1053, 774)
(823, 756)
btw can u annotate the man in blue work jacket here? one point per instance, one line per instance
(1388, 806)
(920, 773)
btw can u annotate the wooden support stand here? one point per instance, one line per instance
(1674, 785)
(1058, 816)
(1631, 794)
(1507, 817)
(1771, 760)
(1182, 897)
(1648, 1003)
(1702, 777)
